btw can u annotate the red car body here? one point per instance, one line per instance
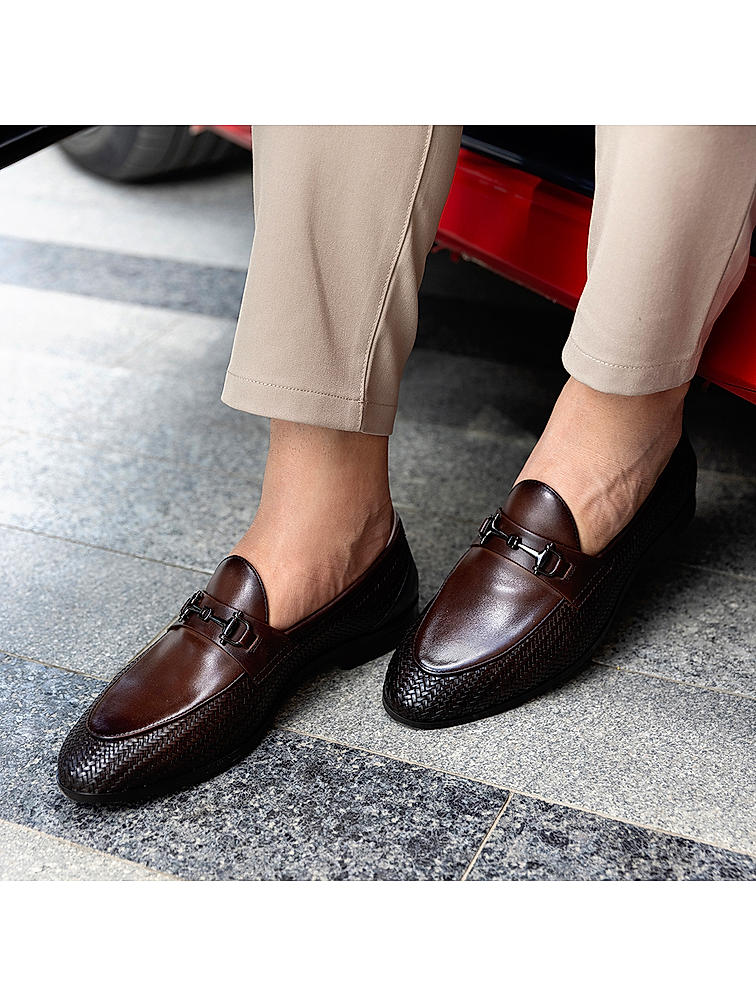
(535, 233)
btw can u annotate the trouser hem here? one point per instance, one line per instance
(617, 378)
(302, 405)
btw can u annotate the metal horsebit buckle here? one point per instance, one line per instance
(229, 627)
(541, 558)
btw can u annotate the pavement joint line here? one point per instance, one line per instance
(436, 769)
(523, 793)
(104, 548)
(714, 569)
(730, 476)
(129, 452)
(674, 681)
(90, 849)
(487, 836)
(86, 674)
(50, 664)
(208, 572)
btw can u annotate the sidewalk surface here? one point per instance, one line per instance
(124, 480)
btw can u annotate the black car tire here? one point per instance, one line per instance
(138, 153)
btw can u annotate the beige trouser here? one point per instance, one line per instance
(344, 219)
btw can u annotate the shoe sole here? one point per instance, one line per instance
(679, 524)
(345, 658)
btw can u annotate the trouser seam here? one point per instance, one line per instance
(392, 269)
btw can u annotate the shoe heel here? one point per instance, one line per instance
(368, 648)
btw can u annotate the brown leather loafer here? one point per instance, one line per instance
(199, 698)
(524, 608)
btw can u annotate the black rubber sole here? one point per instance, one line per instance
(346, 657)
(678, 526)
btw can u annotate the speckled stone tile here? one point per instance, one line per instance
(661, 754)
(691, 625)
(70, 325)
(536, 841)
(685, 623)
(113, 276)
(83, 608)
(437, 542)
(296, 808)
(207, 219)
(177, 416)
(721, 534)
(149, 507)
(29, 855)
(502, 398)
(165, 510)
(457, 472)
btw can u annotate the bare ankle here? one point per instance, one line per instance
(603, 453)
(325, 514)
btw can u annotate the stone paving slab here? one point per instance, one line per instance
(29, 855)
(168, 512)
(693, 625)
(70, 325)
(296, 808)
(135, 279)
(46, 198)
(653, 752)
(114, 408)
(536, 841)
(83, 608)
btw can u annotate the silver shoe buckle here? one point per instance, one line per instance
(542, 558)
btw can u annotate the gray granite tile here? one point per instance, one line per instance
(453, 471)
(503, 397)
(114, 276)
(437, 542)
(296, 808)
(720, 536)
(165, 415)
(627, 746)
(167, 511)
(83, 608)
(70, 325)
(29, 855)
(536, 841)
(46, 198)
(148, 507)
(47, 394)
(692, 625)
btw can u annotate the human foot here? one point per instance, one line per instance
(327, 491)
(603, 453)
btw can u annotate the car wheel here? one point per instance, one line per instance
(137, 153)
